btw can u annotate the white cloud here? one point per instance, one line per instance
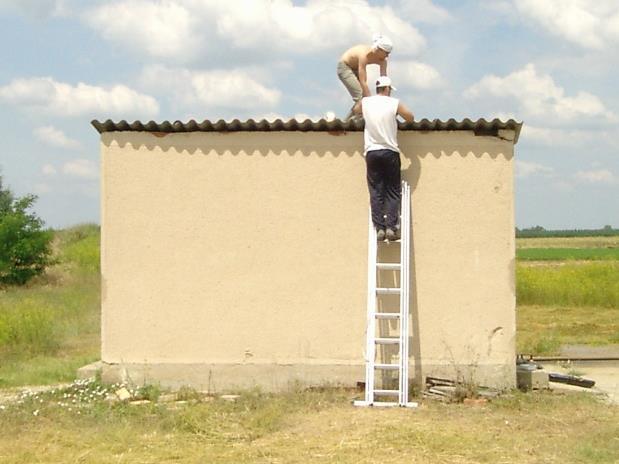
(160, 28)
(602, 176)
(59, 98)
(539, 96)
(423, 11)
(191, 29)
(55, 137)
(82, 168)
(49, 170)
(231, 89)
(589, 23)
(415, 74)
(526, 169)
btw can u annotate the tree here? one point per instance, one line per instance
(25, 248)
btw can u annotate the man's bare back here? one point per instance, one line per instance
(364, 54)
(359, 56)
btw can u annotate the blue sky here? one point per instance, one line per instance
(550, 63)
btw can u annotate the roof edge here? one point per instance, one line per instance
(480, 126)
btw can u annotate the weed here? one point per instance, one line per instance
(186, 393)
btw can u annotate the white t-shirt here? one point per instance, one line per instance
(381, 126)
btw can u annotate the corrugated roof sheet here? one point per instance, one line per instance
(480, 127)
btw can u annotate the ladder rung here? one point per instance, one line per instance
(387, 315)
(387, 367)
(388, 291)
(387, 392)
(388, 266)
(385, 404)
(387, 341)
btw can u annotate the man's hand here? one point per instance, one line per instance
(357, 109)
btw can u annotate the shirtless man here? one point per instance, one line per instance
(351, 67)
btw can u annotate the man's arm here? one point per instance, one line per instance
(405, 112)
(363, 77)
(383, 67)
(358, 108)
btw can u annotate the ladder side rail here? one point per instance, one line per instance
(403, 318)
(406, 289)
(370, 348)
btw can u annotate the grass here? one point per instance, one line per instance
(590, 284)
(563, 302)
(51, 326)
(568, 242)
(567, 254)
(543, 329)
(308, 426)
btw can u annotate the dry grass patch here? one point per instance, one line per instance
(542, 330)
(568, 242)
(300, 427)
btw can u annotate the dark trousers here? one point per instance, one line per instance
(383, 175)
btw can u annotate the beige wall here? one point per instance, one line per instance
(233, 251)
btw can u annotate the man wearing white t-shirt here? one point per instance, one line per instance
(382, 155)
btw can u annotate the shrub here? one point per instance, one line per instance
(25, 248)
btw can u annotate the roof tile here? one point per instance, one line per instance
(481, 126)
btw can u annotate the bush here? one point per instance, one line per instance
(25, 248)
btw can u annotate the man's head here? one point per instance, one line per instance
(383, 86)
(382, 44)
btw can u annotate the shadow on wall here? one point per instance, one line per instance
(287, 144)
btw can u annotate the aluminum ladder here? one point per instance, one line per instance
(394, 397)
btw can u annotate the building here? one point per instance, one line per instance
(234, 254)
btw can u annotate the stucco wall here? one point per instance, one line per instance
(224, 252)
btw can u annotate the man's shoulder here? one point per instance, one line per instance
(382, 98)
(358, 50)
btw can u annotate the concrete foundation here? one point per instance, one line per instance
(221, 378)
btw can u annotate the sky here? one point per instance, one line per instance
(552, 64)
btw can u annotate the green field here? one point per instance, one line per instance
(567, 292)
(567, 254)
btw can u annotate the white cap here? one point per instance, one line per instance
(383, 42)
(384, 81)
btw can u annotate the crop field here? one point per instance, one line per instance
(567, 292)
(568, 254)
(568, 242)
